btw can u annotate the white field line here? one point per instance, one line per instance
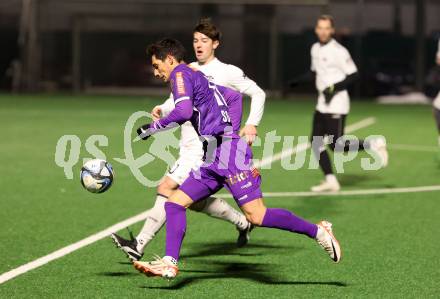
(348, 192)
(130, 221)
(71, 248)
(414, 148)
(305, 146)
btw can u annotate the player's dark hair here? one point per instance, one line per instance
(206, 27)
(167, 46)
(327, 18)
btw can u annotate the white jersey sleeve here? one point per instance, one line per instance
(240, 82)
(438, 50)
(167, 106)
(312, 61)
(346, 62)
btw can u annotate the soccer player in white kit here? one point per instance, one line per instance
(335, 71)
(206, 39)
(436, 103)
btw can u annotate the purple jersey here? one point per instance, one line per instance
(213, 110)
(210, 111)
(234, 100)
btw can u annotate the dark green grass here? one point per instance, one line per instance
(389, 241)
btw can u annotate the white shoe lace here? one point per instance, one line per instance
(327, 247)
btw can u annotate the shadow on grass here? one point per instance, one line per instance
(117, 274)
(256, 272)
(216, 249)
(357, 179)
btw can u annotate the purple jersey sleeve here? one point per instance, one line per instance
(182, 93)
(181, 86)
(180, 114)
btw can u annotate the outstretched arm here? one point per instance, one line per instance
(180, 114)
(182, 93)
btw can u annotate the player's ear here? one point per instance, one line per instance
(170, 59)
(215, 44)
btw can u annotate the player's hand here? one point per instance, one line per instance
(329, 92)
(249, 132)
(438, 61)
(144, 131)
(156, 113)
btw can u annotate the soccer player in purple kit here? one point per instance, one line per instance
(229, 161)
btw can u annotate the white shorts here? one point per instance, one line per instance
(179, 172)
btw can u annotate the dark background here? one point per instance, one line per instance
(99, 45)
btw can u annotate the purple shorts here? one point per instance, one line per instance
(229, 165)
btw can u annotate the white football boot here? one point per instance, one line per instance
(330, 184)
(379, 145)
(165, 267)
(327, 240)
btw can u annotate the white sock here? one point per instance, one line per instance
(155, 220)
(218, 208)
(331, 178)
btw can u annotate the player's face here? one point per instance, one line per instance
(324, 30)
(204, 47)
(163, 68)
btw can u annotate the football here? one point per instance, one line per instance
(97, 175)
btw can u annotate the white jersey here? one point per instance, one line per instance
(332, 63)
(437, 99)
(229, 76)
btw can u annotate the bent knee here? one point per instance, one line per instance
(256, 217)
(167, 187)
(180, 198)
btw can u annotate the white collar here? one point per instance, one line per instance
(331, 41)
(215, 60)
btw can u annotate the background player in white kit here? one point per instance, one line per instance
(436, 102)
(335, 71)
(206, 39)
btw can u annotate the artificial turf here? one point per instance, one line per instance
(389, 240)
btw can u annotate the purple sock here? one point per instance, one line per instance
(176, 227)
(285, 220)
